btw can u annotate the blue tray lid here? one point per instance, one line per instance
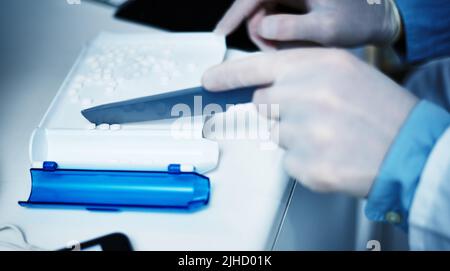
(115, 189)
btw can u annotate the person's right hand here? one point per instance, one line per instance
(337, 115)
(334, 23)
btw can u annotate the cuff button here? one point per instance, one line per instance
(393, 218)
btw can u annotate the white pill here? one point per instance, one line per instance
(176, 73)
(167, 64)
(91, 126)
(75, 99)
(165, 79)
(128, 76)
(88, 81)
(107, 80)
(80, 78)
(157, 68)
(145, 70)
(115, 127)
(191, 67)
(103, 126)
(86, 101)
(77, 85)
(150, 59)
(110, 89)
(91, 60)
(94, 65)
(73, 92)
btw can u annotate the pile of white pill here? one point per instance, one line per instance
(104, 127)
(112, 65)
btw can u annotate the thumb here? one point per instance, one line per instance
(259, 69)
(286, 27)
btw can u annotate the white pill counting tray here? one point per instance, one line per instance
(116, 67)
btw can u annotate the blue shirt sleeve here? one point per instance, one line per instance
(393, 191)
(426, 29)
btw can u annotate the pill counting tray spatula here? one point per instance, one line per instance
(157, 107)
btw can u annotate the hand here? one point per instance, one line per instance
(338, 116)
(336, 23)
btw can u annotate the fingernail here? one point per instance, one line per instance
(219, 31)
(267, 28)
(208, 80)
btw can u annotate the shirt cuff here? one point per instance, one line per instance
(425, 29)
(393, 191)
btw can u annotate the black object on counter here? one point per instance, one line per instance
(184, 16)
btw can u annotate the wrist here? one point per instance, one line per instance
(392, 193)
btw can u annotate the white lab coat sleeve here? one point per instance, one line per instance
(429, 220)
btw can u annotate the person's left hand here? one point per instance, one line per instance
(330, 23)
(338, 116)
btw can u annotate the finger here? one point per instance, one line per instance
(271, 45)
(252, 28)
(260, 69)
(235, 15)
(261, 96)
(250, 71)
(282, 100)
(292, 166)
(290, 137)
(281, 134)
(287, 27)
(311, 176)
(267, 104)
